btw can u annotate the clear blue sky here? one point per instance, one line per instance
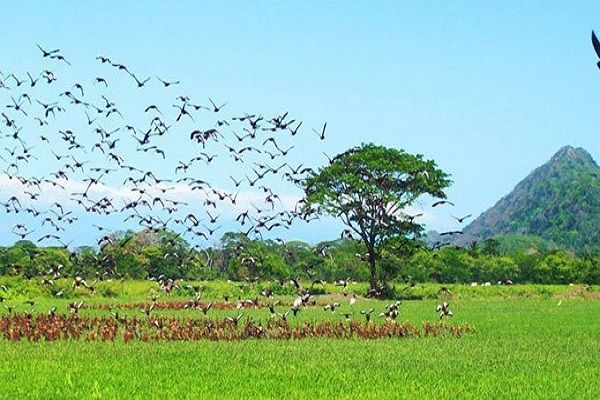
(490, 91)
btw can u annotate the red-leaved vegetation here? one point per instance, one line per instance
(107, 328)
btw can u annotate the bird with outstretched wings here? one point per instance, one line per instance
(596, 44)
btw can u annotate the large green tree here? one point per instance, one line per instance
(369, 188)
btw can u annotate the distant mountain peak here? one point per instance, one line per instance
(558, 201)
(570, 153)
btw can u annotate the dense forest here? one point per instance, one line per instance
(149, 254)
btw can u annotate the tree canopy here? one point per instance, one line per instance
(369, 187)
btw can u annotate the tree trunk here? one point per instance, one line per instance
(373, 270)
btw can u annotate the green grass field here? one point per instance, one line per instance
(525, 345)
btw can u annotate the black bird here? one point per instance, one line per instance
(152, 107)
(60, 58)
(322, 133)
(439, 202)
(31, 80)
(182, 112)
(451, 233)
(103, 59)
(16, 106)
(120, 67)
(89, 120)
(166, 83)
(215, 108)
(236, 183)
(23, 235)
(101, 80)
(140, 84)
(596, 44)
(295, 130)
(17, 81)
(461, 219)
(79, 87)
(367, 314)
(46, 53)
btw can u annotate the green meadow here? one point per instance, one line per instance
(529, 342)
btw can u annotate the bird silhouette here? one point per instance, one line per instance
(461, 219)
(321, 134)
(596, 45)
(47, 53)
(166, 83)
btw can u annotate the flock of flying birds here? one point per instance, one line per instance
(84, 138)
(74, 140)
(70, 148)
(90, 157)
(32, 121)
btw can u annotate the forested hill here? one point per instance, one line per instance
(559, 202)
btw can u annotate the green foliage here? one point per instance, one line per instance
(452, 265)
(516, 243)
(239, 258)
(342, 262)
(494, 269)
(559, 267)
(368, 187)
(255, 260)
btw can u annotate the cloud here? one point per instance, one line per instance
(66, 191)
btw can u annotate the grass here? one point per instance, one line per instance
(126, 290)
(524, 346)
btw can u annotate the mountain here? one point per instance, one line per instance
(558, 202)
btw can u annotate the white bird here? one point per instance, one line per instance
(297, 302)
(444, 310)
(352, 300)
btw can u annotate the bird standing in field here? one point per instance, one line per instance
(367, 314)
(444, 310)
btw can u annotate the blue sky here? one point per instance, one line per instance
(490, 91)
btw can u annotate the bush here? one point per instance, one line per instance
(557, 267)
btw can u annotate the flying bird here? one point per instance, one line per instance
(215, 107)
(140, 84)
(440, 202)
(47, 53)
(167, 83)
(322, 133)
(596, 44)
(461, 219)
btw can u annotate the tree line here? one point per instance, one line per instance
(150, 254)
